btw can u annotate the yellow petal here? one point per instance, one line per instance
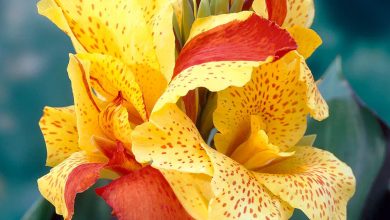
(239, 195)
(201, 25)
(170, 141)
(158, 16)
(214, 76)
(86, 106)
(54, 12)
(114, 121)
(298, 12)
(192, 190)
(133, 31)
(312, 180)
(281, 93)
(115, 77)
(73, 175)
(307, 39)
(58, 126)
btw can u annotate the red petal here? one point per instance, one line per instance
(79, 180)
(142, 194)
(277, 10)
(253, 39)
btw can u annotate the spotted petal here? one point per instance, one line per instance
(239, 195)
(298, 12)
(87, 107)
(133, 31)
(312, 180)
(282, 93)
(58, 126)
(72, 176)
(170, 141)
(114, 77)
(218, 58)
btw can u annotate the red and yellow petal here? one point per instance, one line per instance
(58, 126)
(218, 58)
(74, 175)
(297, 12)
(143, 194)
(312, 180)
(170, 141)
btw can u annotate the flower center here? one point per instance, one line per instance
(257, 151)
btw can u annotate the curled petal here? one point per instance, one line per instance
(58, 126)
(307, 39)
(74, 175)
(218, 58)
(87, 107)
(312, 180)
(142, 194)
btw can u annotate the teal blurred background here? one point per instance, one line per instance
(34, 56)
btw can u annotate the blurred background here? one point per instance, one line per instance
(356, 35)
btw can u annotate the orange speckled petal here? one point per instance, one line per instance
(58, 126)
(307, 39)
(312, 180)
(170, 141)
(239, 195)
(298, 12)
(114, 76)
(74, 175)
(192, 190)
(133, 31)
(87, 107)
(278, 94)
(114, 121)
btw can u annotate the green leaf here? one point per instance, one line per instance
(204, 9)
(352, 133)
(236, 6)
(307, 140)
(221, 7)
(188, 19)
(91, 206)
(40, 210)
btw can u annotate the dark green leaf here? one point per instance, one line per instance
(352, 133)
(40, 210)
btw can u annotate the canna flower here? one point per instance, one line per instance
(125, 62)
(258, 169)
